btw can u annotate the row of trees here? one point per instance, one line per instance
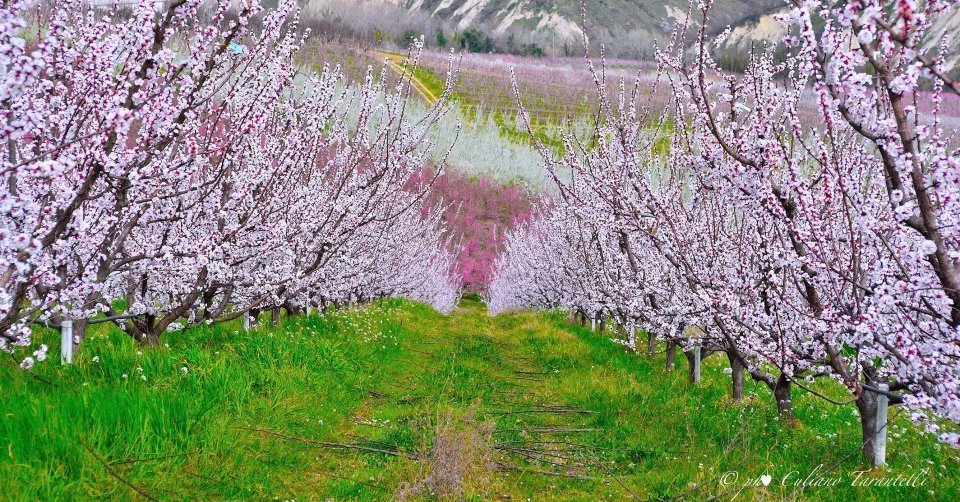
(478, 210)
(802, 246)
(177, 167)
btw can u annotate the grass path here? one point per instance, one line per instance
(395, 399)
(428, 84)
(397, 63)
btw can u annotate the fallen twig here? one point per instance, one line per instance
(16, 366)
(540, 410)
(373, 441)
(565, 443)
(534, 372)
(520, 377)
(110, 471)
(429, 354)
(539, 471)
(545, 429)
(599, 461)
(537, 459)
(530, 451)
(328, 444)
(150, 459)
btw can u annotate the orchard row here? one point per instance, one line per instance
(174, 167)
(804, 251)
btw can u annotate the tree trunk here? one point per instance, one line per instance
(79, 333)
(651, 345)
(737, 374)
(141, 329)
(869, 427)
(781, 392)
(603, 324)
(146, 334)
(275, 315)
(671, 356)
(207, 301)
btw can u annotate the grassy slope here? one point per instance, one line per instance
(383, 377)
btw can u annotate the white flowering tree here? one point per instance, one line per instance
(804, 245)
(182, 162)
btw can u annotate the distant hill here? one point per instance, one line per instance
(616, 22)
(563, 16)
(627, 28)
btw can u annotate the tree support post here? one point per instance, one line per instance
(696, 364)
(66, 341)
(880, 448)
(246, 321)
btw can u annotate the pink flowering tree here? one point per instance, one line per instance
(479, 212)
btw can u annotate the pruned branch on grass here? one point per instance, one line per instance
(143, 493)
(327, 444)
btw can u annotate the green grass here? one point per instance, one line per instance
(383, 378)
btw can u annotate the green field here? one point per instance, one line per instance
(394, 400)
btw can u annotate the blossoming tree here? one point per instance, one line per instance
(804, 245)
(182, 161)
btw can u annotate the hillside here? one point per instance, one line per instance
(395, 400)
(563, 16)
(631, 27)
(617, 22)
